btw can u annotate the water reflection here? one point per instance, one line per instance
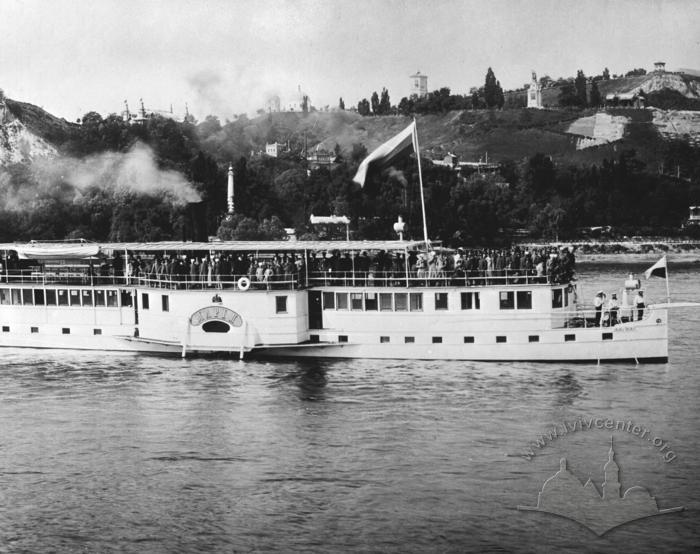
(568, 388)
(312, 381)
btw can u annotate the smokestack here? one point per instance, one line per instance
(230, 189)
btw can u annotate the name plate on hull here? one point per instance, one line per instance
(218, 313)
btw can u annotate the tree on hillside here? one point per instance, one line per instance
(493, 93)
(305, 104)
(375, 103)
(568, 96)
(384, 103)
(606, 74)
(405, 107)
(341, 104)
(475, 98)
(595, 95)
(580, 85)
(363, 107)
(639, 71)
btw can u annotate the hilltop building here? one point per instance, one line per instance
(140, 115)
(419, 85)
(291, 103)
(534, 93)
(275, 149)
(659, 67)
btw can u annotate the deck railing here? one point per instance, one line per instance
(290, 280)
(427, 278)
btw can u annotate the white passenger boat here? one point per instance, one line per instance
(91, 296)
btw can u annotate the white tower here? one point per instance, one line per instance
(230, 189)
(534, 94)
(419, 85)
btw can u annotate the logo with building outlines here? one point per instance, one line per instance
(564, 495)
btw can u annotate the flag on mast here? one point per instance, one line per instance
(386, 153)
(658, 269)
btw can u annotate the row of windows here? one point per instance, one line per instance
(500, 339)
(393, 302)
(64, 297)
(413, 301)
(75, 297)
(64, 330)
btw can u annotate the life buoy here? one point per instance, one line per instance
(243, 283)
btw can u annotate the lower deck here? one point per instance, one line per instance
(527, 322)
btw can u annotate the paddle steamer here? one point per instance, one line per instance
(84, 296)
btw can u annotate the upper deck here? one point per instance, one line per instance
(279, 265)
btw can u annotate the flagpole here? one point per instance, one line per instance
(420, 180)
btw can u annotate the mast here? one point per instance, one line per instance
(420, 180)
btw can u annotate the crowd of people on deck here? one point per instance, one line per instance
(440, 265)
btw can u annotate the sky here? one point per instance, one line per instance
(227, 57)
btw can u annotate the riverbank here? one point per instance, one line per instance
(632, 250)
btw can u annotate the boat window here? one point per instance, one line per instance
(385, 301)
(50, 297)
(342, 338)
(569, 338)
(165, 303)
(383, 339)
(39, 297)
(356, 300)
(401, 302)
(280, 304)
(62, 297)
(507, 300)
(440, 300)
(87, 298)
(65, 331)
(328, 301)
(416, 301)
(216, 326)
(409, 340)
(341, 300)
(371, 301)
(144, 301)
(566, 297)
(74, 297)
(99, 298)
(533, 338)
(112, 298)
(5, 296)
(97, 331)
(437, 340)
(524, 298)
(501, 338)
(470, 301)
(557, 298)
(126, 298)
(27, 297)
(16, 296)
(34, 329)
(5, 328)
(607, 336)
(468, 340)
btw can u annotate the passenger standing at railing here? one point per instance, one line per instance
(598, 302)
(639, 304)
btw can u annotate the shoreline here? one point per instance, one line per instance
(628, 250)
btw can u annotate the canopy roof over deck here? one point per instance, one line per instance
(59, 250)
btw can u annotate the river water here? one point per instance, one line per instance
(126, 453)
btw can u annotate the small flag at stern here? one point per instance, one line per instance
(658, 269)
